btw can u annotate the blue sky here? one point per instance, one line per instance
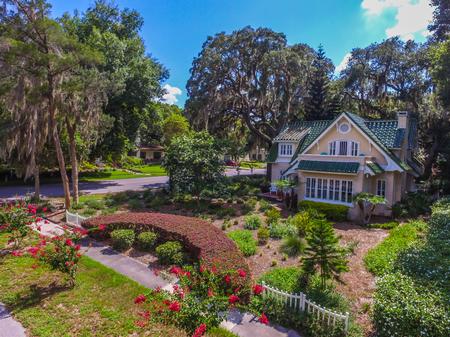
(174, 30)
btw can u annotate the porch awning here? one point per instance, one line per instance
(328, 166)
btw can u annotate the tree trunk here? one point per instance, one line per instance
(37, 183)
(57, 142)
(73, 160)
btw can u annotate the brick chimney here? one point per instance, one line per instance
(403, 119)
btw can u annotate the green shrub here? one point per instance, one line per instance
(403, 308)
(273, 215)
(170, 252)
(283, 278)
(146, 240)
(252, 222)
(293, 245)
(385, 225)
(157, 201)
(134, 204)
(225, 212)
(88, 212)
(219, 332)
(412, 205)
(95, 204)
(331, 211)
(122, 239)
(249, 206)
(264, 205)
(280, 230)
(244, 240)
(263, 235)
(303, 220)
(381, 258)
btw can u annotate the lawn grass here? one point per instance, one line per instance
(244, 240)
(254, 164)
(380, 259)
(100, 304)
(153, 170)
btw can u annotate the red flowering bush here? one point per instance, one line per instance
(200, 300)
(16, 218)
(203, 240)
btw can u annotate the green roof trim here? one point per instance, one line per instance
(375, 167)
(328, 166)
(273, 153)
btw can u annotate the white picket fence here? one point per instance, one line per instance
(74, 218)
(299, 302)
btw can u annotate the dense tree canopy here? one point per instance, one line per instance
(251, 75)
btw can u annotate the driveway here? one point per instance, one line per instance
(103, 186)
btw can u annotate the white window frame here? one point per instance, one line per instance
(332, 148)
(285, 150)
(341, 142)
(354, 149)
(332, 191)
(381, 188)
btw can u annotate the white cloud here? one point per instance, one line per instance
(170, 97)
(412, 16)
(341, 66)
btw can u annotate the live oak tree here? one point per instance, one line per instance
(250, 75)
(440, 27)
(323, 252)
(37, 45)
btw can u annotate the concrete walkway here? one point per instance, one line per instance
(103, 186)
(9, 327)
(242, 324)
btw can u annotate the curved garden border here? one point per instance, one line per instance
(202, 239)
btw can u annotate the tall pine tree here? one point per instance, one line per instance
(321, 104)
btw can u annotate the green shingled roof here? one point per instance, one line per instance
(375, 167)
(328, 166)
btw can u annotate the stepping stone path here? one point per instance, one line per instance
(9, 327)
(242, 324)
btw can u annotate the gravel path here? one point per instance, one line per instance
(9, 327)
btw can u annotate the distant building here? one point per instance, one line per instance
(150, 153)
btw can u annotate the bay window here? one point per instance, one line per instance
(336, 190)
(343, 148)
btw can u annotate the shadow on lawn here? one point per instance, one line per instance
(36, 294)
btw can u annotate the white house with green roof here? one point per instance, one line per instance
(333, 160)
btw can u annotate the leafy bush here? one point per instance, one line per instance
(146, 240)
(225, 212)
(303, 221)
(264, 205)
(293, 245)
(244, 240)
(95, 204)
(403, 308)
(122, 239)
(252, 222)
(331, 211)
(385, 225)
(280, 230)
(412, 205)
(203, 240)
(263, 235)
(170, 252)
(283, 278)
(249, 206)
(273, 215)
(381, 258)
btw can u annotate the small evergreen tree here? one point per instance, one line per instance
(323, 253)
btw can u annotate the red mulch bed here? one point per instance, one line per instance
(202, 239)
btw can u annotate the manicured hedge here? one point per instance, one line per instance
(200, 238)
(331, 211)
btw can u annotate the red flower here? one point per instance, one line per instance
(200, 330)
(46, 222)
(258, 289)
(214, 269)
(187, 274)
(33, 250)
(140, 324)
(101, 227)
(69, 242)
(39, 228)
(227, 279)
(176, 270)
(140, 299)
(233, 299)
(174, 306)
(202, 269)
(263, 319)
(44, 209)
(16, 253)
(210, 293)
(144, 314)
(242, 273)
(34, 266)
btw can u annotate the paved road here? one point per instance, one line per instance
(102, 187)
